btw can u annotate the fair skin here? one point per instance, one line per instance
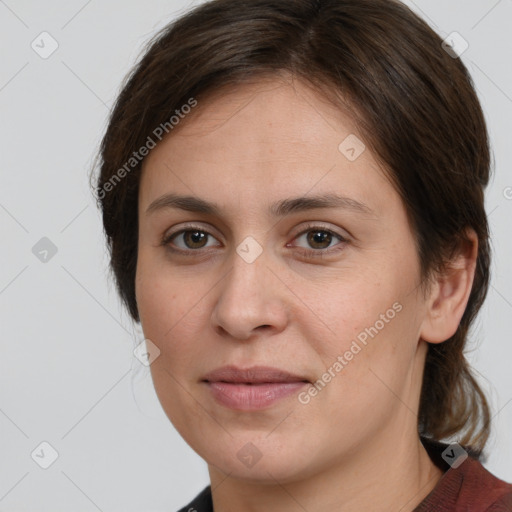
(354, 445)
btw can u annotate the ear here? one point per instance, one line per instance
(449, 293)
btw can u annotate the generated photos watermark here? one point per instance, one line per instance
(343, 360)
(137, 156)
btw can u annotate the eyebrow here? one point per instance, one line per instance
(278, 209)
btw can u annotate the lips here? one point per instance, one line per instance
(253, 375)
(253, 388)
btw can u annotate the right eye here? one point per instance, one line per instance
(188, 240)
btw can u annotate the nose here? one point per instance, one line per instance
(251, 299)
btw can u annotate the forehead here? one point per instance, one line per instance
(277, 110)
(259, 139)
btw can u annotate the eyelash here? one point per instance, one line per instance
(309, 253)
(321, 253)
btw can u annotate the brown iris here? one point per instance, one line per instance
(319, 237)
(194, 239)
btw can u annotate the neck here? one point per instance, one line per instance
(394, 473)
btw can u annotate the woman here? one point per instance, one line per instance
(292, 193)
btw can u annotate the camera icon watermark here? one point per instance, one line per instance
(146, 352)
(44, 455)
(44, 250)
(507, 193)
(249, 455)
(454, 455)
(249, 249)
(454, 45)
(352, 147)
(44, 45)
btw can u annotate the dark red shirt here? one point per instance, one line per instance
(466, 488)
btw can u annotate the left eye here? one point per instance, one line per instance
(319, 238)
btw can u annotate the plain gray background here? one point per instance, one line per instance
(67, 372)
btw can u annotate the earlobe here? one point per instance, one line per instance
(450, 292)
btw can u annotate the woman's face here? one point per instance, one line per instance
(303, 263)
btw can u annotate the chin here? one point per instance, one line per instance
(258, 459)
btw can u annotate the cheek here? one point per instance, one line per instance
(170, 317)
(168, 308)
(370, 321)
(347, 309)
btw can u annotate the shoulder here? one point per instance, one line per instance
(482, 488)
(201, 503)
(468, 487)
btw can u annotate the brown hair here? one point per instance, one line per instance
(414, 105)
